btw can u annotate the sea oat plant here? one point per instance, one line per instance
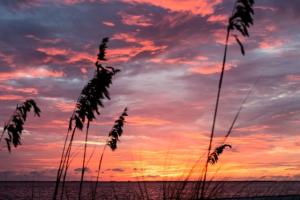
(15, 125)
(241, 19)
(86, 109)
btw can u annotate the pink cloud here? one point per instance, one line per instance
(140, 45)
(147, 121)
(293, 77)
(254, 128)
(195, 61)
(53, 51)
(60, 123)
(62, 104)
(175, 19)
(107, 23)
(271, 27)
(223, 19)
(265, 8)
(203, 7)
(47, 41)
(10, 97)
(83, 70)
(210, 69)
(271, 43)
(72, 56)
(14, 89)
(135, 20)
(30, 73)
(8, 59)
(72, 2)
(65, 106)
(219, 36)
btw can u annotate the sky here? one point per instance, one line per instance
(169, 53)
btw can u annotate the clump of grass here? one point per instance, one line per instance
(241, 19)
(112, 141)
(14, 126)
(86, 109)
(91, 99)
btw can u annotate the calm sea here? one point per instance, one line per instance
(154, 190)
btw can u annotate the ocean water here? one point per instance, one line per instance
(142, 190)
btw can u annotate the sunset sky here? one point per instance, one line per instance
(169, 53)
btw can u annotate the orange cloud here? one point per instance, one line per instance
(136, 20)
(203, 7)
(30, 73)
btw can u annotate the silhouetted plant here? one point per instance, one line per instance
(240, 21)
(86, 109)
(113, 138)
(214, 156)
(242, 17)
(14, 127)
(116, 131)
(94, 92)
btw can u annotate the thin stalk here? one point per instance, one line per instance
(186, 180)
(239, 110)
(215, 114)
(98, 173)
(62, 162)
(2, 135)
(66, 169)
(7, 123)
(83, 162)
(66, 162)
(59, 171)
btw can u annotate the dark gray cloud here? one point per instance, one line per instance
(116, 170)
(40, 175)
(86, 169)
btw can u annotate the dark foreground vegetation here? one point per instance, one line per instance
(154, 190)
